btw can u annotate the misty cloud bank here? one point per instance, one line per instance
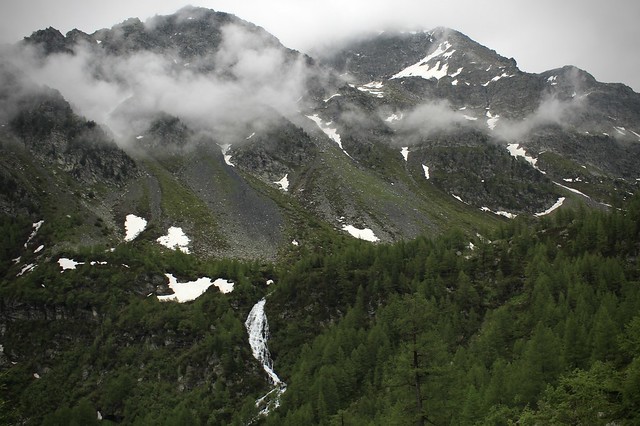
(225, 91)
(439, 116)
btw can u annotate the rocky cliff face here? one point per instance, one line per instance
(49, 128)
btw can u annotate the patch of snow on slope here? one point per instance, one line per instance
(572, 190)
(552, 208)
(457, 73)
(332, 133)
(620, 130)
(506, 214)
(638, 135)
(250, 136)
(188, 291)
(457, 198)
(39, 249)
(227, 157)
(424, 70)
(516, 151)
(331, 97)
(175, 239)
(426, 171)
(552, 80)
(36, 227)
(499, 213)
(393, 117)
(470, 118)
(284, 183)
(66, 264)
(372, 88)
(496, 78)
(225, 286)
(492, 120)
(405, 153)
(133, 226)
(27, 268)
(363, 234)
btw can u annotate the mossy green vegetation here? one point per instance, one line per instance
(533, 323)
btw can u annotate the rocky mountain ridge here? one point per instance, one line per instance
(399, 134)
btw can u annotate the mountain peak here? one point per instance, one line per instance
(50, 40)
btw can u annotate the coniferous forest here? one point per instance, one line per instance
(535, 323)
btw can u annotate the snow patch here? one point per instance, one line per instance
(552, 208)
(363, 234)
(492, 120)
(27, 268)
(295, 243)
(426, 171)
(572, 190)
(620, 130)
(394, 117)
(331, 97)
(470, 118)
(506, 214)
(188, 291)
(457, 73)
(426, 71)
(516, 151)
(457, 198)
(36, 227)
(373, 88)
(133, 226)
(332, 133)
(499, 213)
(39, 249)
(250, 136)
(175, 239)
(405, 153)
(139, 137)
(67, 264)
(227, 157)
(496, 78)
(283, 183)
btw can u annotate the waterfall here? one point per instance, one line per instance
(258, 329)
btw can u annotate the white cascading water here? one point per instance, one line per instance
(258, 329)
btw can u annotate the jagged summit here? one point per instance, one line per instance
(433, 54)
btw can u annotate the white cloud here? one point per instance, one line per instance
(251, 74)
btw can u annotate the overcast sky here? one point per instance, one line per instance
(602, 37)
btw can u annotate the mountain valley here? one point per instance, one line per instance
(435, 236)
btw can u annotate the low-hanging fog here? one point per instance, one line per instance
(222, 93)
